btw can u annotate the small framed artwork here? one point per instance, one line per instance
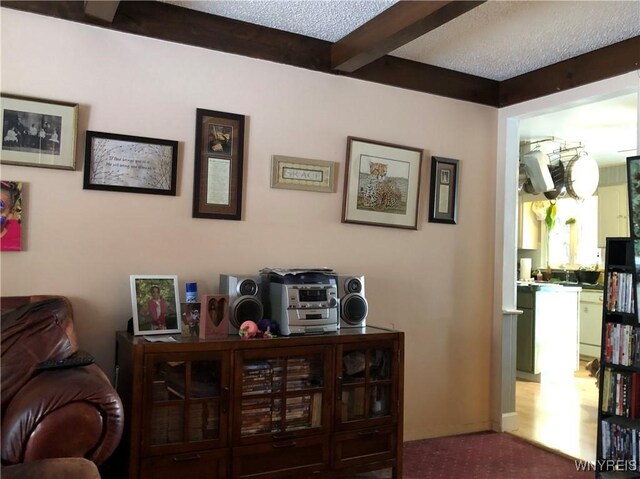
(38, 132)
(218, 171)
(214, 322)
(156, 304)
(382, 184)
(633, 191)
(443, 197)
(133, 164)
(303, 174)
(190, 319)
(11, 216)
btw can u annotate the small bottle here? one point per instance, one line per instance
(539, 276)
(191, 292)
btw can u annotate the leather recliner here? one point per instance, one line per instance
(55, 413)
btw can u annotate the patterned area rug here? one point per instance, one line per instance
(486, 455)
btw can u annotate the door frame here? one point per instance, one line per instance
(505, 314)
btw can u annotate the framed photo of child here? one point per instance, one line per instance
(156, 304)
(11, 216)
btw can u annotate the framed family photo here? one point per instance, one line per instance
(218, 171)
(156, 304)
(38, 132)
(382, 184)
(133, 164)
(443, 196)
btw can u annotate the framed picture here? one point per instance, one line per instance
(11, 216)
(190, 319)
(219, 158)
(133, 164)
(38, 132)
(382, 184)
(443, 195)
(303, 174)
(155, 303)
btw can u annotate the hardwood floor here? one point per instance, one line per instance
(560, 415)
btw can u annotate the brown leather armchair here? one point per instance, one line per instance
(55, 413)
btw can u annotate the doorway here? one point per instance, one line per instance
(505, 413)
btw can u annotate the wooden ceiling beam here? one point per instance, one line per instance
(400, 24)
(103, 10)
(613, 60)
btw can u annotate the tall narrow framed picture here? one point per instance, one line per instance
(132, 164)
(38, 132)
(155, 303)
(382, 184)
(443, 195)
(218, 170)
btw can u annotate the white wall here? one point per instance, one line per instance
(434, 284)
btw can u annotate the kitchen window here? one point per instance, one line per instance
(573, 241)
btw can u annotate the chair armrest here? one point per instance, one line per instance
(71, 412)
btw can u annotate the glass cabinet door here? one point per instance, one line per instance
(365, 383)
(188, 400)
(281, 393)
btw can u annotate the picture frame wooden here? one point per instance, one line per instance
(37, 132)
(443, 194)
(11, 230)
(155, 313)
(382, 184)
(292, 173)
(218, 168)
(132, 164)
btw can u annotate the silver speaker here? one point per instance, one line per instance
(353, 304)
(244, 299)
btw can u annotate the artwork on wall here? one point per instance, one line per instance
(11, 207)
(38, 132)
(633, 190)
(133, 164)
(443, 195)
(218, 170)
(155, 303)
(303, 174)
(382, 184)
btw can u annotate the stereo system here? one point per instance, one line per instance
(244, 299)
(301, 301)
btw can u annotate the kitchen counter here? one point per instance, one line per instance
(547, 336)
(568, 284)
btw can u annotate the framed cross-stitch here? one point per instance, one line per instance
(155, 303)
(303, 174)
(38, 132)
(218, 170)
(443, 195)
(382, 184)
(133, 164)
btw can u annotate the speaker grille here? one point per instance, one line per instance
(248, 287)
(246, 308)
(353, 286)
(354, 309)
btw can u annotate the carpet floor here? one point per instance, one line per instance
(486, 455)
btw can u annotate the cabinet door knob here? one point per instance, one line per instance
(225, 400)
(191, 457)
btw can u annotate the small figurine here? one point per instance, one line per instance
(248, 329)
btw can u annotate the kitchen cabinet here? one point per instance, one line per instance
(547, 336)
(590, 322)
(528, 226)
(613, 213)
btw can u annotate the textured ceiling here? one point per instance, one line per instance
(496, 40)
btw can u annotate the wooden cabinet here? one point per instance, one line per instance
(619, 377)
(313, 406)
(613, 212)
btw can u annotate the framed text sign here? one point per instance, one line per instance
(219, 157)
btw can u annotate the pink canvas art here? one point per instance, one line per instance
(11, 216)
